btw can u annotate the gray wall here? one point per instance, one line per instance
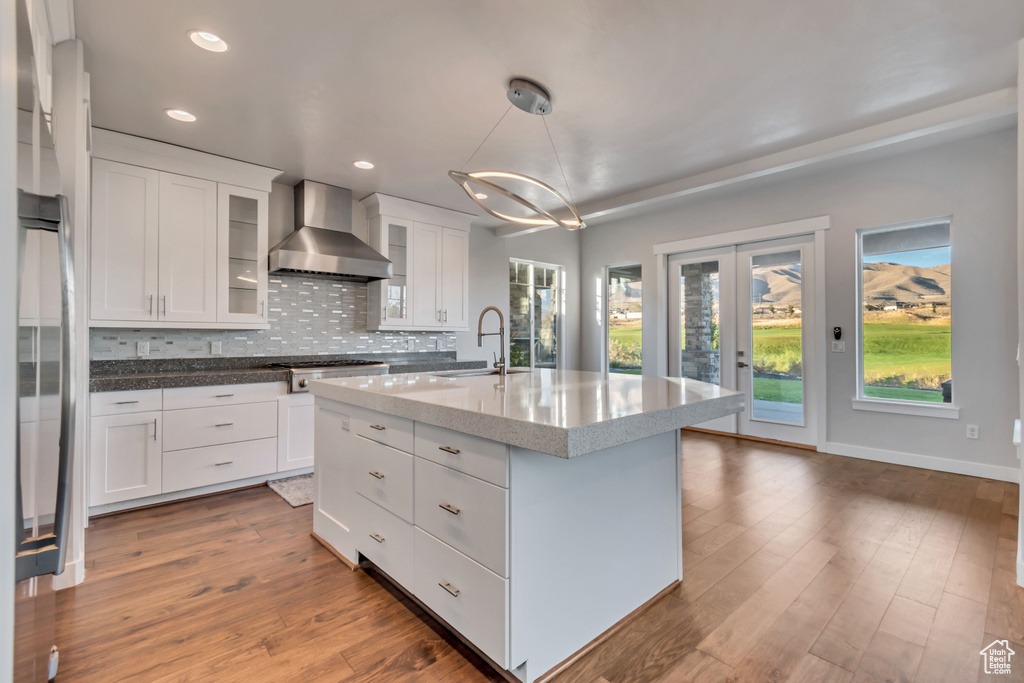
(488, 285)
(974, 180)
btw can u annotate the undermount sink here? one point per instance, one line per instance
(478, 373)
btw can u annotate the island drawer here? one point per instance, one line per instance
(384, 475)
(467, 513)
(387, 429)
(122, 402)
(385, 540)
(197, 427)
(222, 395)
(195, 467)
(472, 599)
(482, 458)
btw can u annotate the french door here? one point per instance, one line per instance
(742, 316)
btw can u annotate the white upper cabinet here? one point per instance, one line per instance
(179, 238)
(429, 249)
(188, 249)
(125, 241)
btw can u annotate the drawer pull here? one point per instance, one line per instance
(449, 449)
(223, 395)
(450, 508)
(377, 475)
(124, 403)
(224, 424)
(221, 464)
(379, 428)
(449, 587)
(377, 537)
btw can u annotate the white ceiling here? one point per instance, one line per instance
(644, 92)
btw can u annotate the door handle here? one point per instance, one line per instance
(376, 475)
(450, 508)
(449, 587)
(741, 364)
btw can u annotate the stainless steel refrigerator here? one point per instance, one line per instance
(46, 405)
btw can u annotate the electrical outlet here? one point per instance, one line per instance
(142, 349)
(973, 432)
(215, 348)
(439, 345)
(410, 344)
(838, 347)
(344, 423)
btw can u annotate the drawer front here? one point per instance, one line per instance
(466, 513)
(217, 464)
(222, 395)
(197, 427)
(122, 402)
(482, 458)
(472, 599)
(387, 429)
(384, 475)
(385, 540)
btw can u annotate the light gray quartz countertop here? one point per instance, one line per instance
(566, 413)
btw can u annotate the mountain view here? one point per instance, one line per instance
(884, 283)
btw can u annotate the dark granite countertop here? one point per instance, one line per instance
(129, 375)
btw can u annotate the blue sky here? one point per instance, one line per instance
(923, 258)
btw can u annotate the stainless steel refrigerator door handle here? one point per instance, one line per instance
(46, 554)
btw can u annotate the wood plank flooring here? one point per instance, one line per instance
(799, 566)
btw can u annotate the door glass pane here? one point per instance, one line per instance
(535, 302)
(776, 286)
(242, 255)
(545, 317)
(519, 314)
(698, 321)
(625, 319)
(397, 286)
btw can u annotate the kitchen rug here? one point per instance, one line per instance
(297, 491)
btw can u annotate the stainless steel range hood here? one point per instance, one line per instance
(323, 244)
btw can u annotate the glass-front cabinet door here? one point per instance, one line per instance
(389, 300)
(242, 254)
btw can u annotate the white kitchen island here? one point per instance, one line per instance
(530, 513)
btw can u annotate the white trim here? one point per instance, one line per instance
(928, 462)
(378, 204)
(170, 325)
(1020, 573)
(73, 574)
(200, 491)
(803, 226)
(62, 20)
(922, 409)
(822, 348)
(128, 149)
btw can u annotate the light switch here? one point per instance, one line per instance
(838, 347)
(142, 349)
(215, 348)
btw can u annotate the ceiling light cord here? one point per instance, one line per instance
(487, 138)
(559, 161)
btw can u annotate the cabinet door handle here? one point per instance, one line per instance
(450, 508)
(449, 587)
(449, 449)
(151, 302)
(439, 315)
(261, 309)
(379, 428)
(376, 475)
(377, 537)
(224, 424)
(221, 464)
(446, 315)
(384, 312)
(154, 429)
(124, 403)
(164, 299)
(223, 395)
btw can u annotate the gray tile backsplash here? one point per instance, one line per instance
(307, 316)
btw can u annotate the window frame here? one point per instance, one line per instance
(898, 406)
(559, 327)
(606, 344)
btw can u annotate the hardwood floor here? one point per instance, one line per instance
(799, 566)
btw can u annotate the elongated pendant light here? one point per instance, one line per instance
(532, 99)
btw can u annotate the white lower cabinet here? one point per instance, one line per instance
(158, 441)
(124, 457)
(386, 540)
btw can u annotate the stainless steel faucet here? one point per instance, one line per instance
(499, 363)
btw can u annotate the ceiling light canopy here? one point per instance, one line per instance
(180, 115)
(208, 41)
(533, 99)
(365, 165)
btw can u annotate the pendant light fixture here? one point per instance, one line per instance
(533, 99)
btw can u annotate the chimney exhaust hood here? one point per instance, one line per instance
(323, 244)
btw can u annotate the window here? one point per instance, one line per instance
(906, 317)
(625, 318)
(536, 302)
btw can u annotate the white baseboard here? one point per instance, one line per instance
(73, 574)
(928, 462)
(1020, 573)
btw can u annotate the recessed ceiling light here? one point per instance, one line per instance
(208, 41)
(481, 195)
(180, 115)
(365, 165)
